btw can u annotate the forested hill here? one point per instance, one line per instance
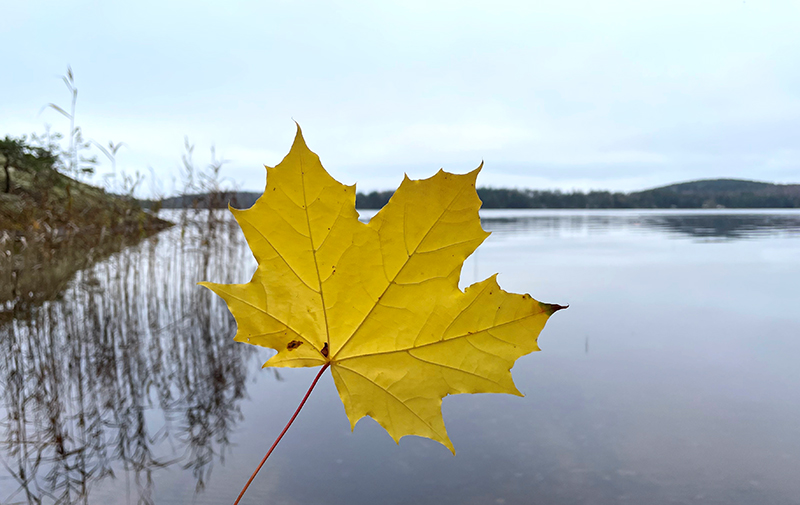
(713, 193)
(722, 186)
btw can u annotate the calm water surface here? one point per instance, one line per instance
(672, 378)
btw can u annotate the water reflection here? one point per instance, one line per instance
(731, 224)
(130, 377)
(131, 370)
(728, 226)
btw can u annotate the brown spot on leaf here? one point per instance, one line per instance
(324, 350)
(294, 344)
(552, 308)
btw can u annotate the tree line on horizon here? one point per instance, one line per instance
(660, 198)
(718, 193)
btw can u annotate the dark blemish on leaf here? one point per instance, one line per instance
(294, 344)
(324, 350)
(552, 308)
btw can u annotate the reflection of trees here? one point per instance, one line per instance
(703, 224)
(729, 226)
(133, 369)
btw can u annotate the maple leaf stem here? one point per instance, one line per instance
(285, 429)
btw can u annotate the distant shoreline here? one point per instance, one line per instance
(703, 194)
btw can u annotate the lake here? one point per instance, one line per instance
(673, 377)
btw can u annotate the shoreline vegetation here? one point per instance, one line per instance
(52, 226)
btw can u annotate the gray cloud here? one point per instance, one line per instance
(617, 95)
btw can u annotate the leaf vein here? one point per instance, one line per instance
(453, 367)
(273, 317)
(314, 252)
(443, 341)
(392, 281)
(282, 258)
(398, 400)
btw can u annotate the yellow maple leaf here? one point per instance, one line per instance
(379, 302)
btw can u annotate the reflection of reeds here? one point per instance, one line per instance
(131, 369)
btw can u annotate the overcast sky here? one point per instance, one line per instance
(558, 94)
